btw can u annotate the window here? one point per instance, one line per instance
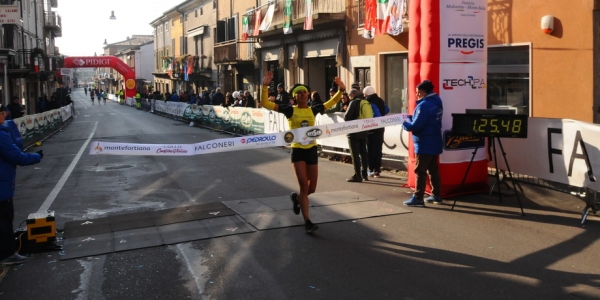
(173, 23)
(361, 13)
(362, 76)
(185, 16)
(214, 4)
(196, 13)
(508, 78)
(201, 11)
(396, 80)
(166, 27)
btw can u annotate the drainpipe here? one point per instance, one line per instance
(596, 65)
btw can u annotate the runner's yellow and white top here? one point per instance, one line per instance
(300, 117)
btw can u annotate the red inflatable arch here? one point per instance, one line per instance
(106, 62)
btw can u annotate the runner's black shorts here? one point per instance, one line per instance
(310, 155)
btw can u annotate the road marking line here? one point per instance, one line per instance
(52, 196)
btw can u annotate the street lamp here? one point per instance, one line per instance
(112, 15)
(105, 43)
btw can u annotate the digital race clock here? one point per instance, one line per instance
(490, 124)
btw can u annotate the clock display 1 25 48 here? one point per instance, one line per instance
(512, 126)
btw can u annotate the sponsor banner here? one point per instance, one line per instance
(560, 150)
(35, 126)
(463, 31)
(461, 86)
(299, 135)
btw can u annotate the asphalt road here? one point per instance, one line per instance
(482, 250)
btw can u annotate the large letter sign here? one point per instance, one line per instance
(448, 45)
(106, 62)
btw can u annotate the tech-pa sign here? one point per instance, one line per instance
(10, 14)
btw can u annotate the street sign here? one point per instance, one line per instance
(10, 14)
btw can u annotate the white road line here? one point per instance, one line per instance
(52, 196)
(86, 116)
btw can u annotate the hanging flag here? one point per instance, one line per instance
(190, 61)
(266, 22)
(257, 20)
(383, 19)
(287, 17)
(170, 70)
(370, 21)
(36, 66)
(245, 28)
(185, 68)
(308, 20)
(395, 11)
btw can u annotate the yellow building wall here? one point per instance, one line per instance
(562, 70)
(176, 33)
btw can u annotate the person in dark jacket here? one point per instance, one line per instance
(357, 141)
(426, 127)
(218, 98)
(10, 157)
(375, 136)
(249, 100)
(16, 110)
(283, 98)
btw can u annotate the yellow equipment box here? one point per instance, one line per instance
(41, 227)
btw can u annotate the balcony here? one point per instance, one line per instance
(53, 23)
(323, 11)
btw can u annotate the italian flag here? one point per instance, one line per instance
(370, 22)
(245, 28)
(383, 19)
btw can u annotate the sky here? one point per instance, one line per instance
(86, 23)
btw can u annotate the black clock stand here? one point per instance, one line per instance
(492, 141)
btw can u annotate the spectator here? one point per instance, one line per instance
(174, 97)
(283, 98)
(217, 98)
(345, 102)
(16, 110)
(273, 97)
(238, 99)
(375, 136)
(42, 105)
(10, 157)
(193, 99)
(229, 100)
(315, 99)
(426, 127)
(205, 99)
(357, 141)
(249, 100)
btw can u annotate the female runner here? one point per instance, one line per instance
(304, 155)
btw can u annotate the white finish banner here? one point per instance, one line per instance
(462, 86)
(463, 31)
(395, 139)
(300, 135)
(561, 150)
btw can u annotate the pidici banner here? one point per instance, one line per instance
(302, 135)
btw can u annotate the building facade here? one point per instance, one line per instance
(535, 73)
(29, 53)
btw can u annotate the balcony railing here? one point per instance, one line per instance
(298, 11)
(54, 23)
